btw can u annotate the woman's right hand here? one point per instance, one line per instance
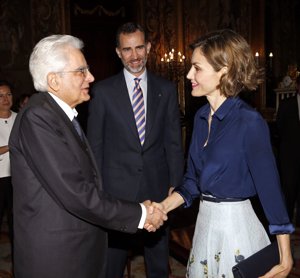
(286, 261)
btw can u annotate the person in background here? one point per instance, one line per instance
(230, 160)
(134, 131)
(288, 126)
(7, 118)
(60, 208)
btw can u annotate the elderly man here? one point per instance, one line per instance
(59, 206)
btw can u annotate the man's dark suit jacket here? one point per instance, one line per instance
(146, 171)
(59, 204)
(288, 124)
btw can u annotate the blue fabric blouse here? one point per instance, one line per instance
(237, 162)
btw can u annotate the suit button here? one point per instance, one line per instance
(123, 229)
(140, 170)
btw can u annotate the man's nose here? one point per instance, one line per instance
(134, 54)
(90, 78)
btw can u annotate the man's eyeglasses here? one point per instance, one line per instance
(84, 71)
(2, 96)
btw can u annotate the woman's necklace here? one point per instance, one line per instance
(6, 120)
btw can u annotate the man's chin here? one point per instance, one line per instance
(135, 70)
(86, 97)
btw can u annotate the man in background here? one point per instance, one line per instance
(59, 207)
(134, 131)
(288, 123)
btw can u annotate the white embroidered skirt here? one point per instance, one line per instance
(225, 234)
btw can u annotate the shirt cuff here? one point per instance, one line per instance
(188, 200)
(281, 229)
(143, 218)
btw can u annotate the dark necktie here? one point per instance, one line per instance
(139, 109)
(78, 128)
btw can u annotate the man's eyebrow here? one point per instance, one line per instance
(138, 46)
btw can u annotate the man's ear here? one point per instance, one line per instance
(53, 81)
(148, 47)
(118, 52)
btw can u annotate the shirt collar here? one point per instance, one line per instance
(226, 107)
(129, 76)
(71, 112)
(222, 111)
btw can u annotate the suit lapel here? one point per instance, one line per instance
(153, 96)
(65, 119)
(121, 97)
(84, 144)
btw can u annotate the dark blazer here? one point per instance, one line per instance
(146, 171)
(288, 124)
(59, 204)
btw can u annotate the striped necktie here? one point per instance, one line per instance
(139, 109)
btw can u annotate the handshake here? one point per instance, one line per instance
(156, 215)
(157, 212)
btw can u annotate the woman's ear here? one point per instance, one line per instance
(224, 70)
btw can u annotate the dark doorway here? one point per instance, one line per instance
(96, 23)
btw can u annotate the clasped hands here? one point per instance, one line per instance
(156, 215)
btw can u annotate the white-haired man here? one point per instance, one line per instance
(59, 205)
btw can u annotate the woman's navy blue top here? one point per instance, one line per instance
(237, 161)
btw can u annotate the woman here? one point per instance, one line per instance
(230, 160)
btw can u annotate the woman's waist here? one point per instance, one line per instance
(215, 199)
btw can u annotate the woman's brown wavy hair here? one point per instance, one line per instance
(226, 48)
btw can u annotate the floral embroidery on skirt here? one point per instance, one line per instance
(225, 234)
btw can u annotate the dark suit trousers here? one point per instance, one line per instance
(154, 245)
(291, 186)
(6, 200)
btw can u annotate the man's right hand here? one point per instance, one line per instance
(155, 217)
